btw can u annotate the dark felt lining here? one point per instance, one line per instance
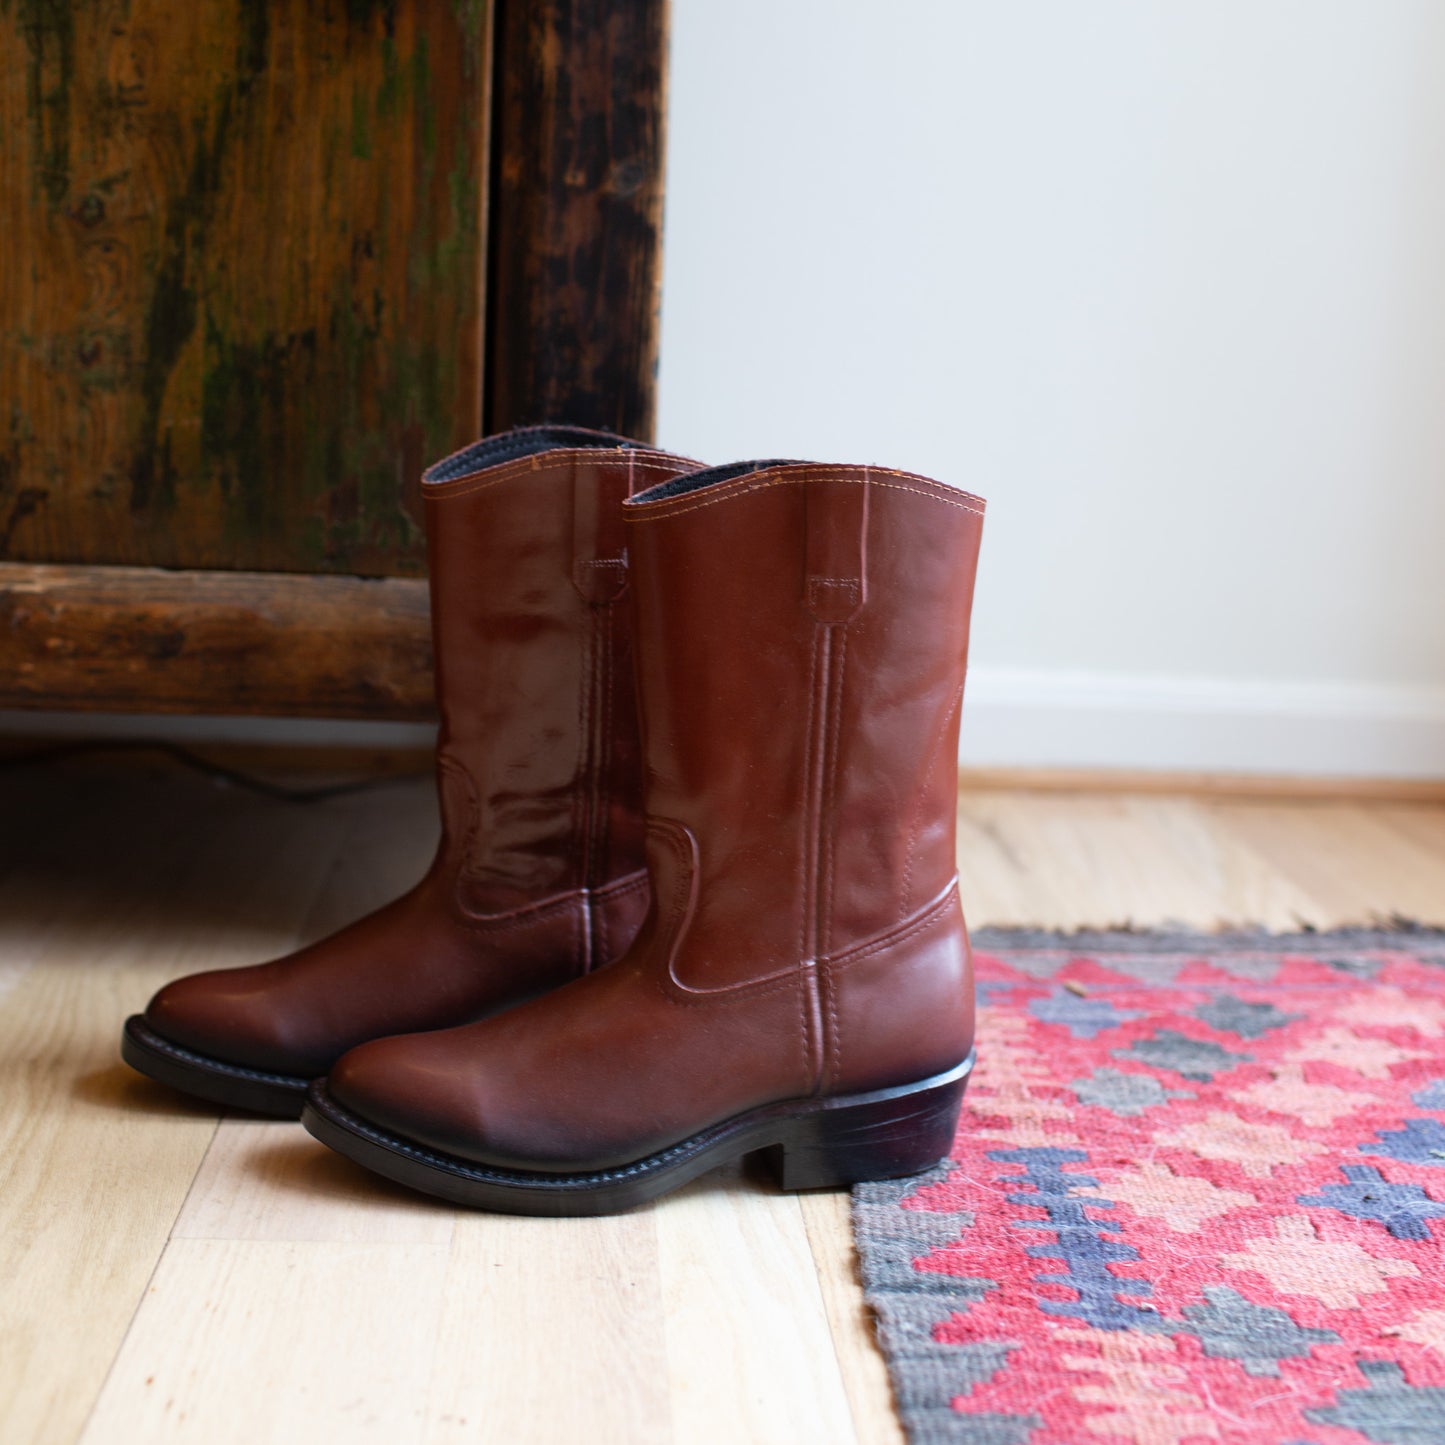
(522, 442)
(693, 481)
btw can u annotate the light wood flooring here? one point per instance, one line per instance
(168, 1276)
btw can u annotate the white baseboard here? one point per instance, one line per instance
(1016, 718)
(1023, 718)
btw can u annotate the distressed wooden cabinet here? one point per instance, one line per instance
(259, 263)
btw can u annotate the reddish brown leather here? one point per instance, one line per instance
(539, 876)
(802, 635)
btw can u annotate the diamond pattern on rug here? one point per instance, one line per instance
(1197, 1194)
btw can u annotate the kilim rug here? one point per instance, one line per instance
(1197, 1194)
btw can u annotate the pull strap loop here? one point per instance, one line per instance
(835, 571)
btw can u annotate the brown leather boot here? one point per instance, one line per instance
(802, 985)
(540, 875)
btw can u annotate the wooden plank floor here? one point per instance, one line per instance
(169, 1277)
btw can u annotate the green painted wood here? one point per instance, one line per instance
(241, 277)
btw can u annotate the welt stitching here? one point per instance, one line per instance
(483, 1175)
(219, 1066)
(724, 493)
(561, 1182)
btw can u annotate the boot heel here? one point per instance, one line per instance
(883, 1135)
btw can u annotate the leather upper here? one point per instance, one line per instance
(539, 874)
(802, 636)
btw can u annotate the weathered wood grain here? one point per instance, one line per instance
(577, 213)
(700, 1318)
(142, 639)
(240, 278)
(108, 887)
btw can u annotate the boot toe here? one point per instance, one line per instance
(399, 1086)
(225, 1016)
(480, 1093)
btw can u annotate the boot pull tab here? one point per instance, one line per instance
(835, 573)
(599, 536)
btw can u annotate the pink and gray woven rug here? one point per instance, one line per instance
(1197, 1195)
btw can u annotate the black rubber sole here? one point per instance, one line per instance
(211, 1079)
(806, 1143)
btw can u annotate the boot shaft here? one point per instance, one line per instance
(802, 981)
(538, 753)
(802, 639)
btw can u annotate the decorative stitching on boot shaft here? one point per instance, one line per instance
(637, 509)
(553, 461)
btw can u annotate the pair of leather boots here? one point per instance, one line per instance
(695, 895)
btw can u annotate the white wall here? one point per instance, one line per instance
(1164, 282)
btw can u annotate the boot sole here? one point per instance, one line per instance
(213, 1080)
(806, 1143)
